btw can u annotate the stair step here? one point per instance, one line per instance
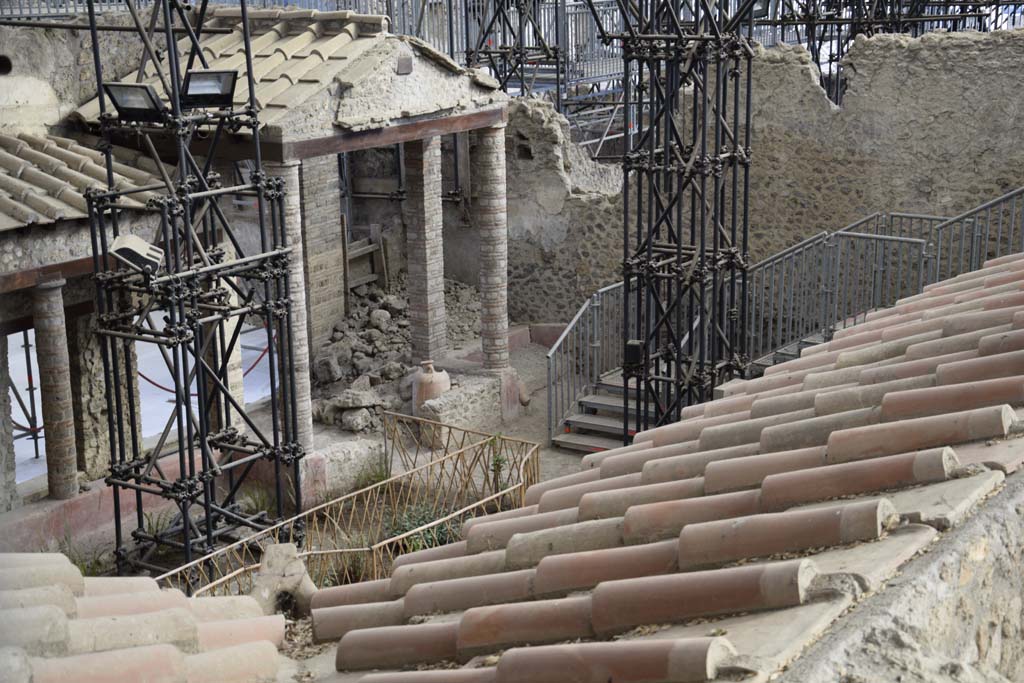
(586, 443)
(611, 403)
(599, 423)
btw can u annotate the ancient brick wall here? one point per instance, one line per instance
(323, 235)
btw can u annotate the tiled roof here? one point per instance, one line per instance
(57, 626)
(296, 55)
(44, 178)
(725, 543)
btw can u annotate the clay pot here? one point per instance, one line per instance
(428, 384)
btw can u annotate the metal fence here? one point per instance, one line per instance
(437, 476)
(589, 347)
(830, 280)
(964, 242)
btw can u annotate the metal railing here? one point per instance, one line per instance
(827, 281)
(437, 476)
(589, 347)
(964, 242)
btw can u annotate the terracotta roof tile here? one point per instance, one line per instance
(817, 459)
(128, 630)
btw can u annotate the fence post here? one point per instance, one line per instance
(596, 318)
(828, 286)
(976, 247)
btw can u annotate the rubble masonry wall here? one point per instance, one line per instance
(927, 125)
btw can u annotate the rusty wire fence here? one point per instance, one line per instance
(436, 476)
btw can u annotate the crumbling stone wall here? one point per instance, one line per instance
(52, 70)
(953, 615)
(89, 397)
(564, 216)
(927, 125)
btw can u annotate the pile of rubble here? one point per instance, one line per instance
(366, 368)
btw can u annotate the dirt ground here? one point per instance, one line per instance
(531, 364)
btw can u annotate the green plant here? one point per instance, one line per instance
(90, 562)
(156, 523)
(415, 517)
(256, 498)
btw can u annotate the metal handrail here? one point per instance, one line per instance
(807, 290)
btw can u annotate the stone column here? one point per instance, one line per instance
(490, 216)
(8, 482)
(55, 389)
(289, 171)
(425, 249)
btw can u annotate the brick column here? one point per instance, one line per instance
(55, 389)
(8, 486)
(289, 171)
(487, 161)
(425, 249)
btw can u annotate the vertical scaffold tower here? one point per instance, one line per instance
(187, 292)
(686, 162)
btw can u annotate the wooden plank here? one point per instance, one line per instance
(381, 137)
(364, 280)
(26, 279)
(363, 250)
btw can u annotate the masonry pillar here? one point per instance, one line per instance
(89, 396)
(289, 171)
(55, 389)
(428, 322)
(490, 215)
(8, 481)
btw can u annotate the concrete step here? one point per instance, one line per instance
(603, 424)
(585, 443)
(608, 403)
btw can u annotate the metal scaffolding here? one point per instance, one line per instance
(191, 302)
(685, 189)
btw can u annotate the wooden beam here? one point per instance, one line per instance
(239, 148)
(383, 137)
(26, 279)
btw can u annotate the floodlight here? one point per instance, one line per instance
(761, 9)
(135, 101)
(137, 253)
(208, 89)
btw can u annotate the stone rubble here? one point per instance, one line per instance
(366, 367)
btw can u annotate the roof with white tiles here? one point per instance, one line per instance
(309, 63)
(43, 179)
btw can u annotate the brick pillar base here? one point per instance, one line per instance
(55, 389)
(425, 249)
(491, 219)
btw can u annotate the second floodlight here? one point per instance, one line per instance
(208, 89)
